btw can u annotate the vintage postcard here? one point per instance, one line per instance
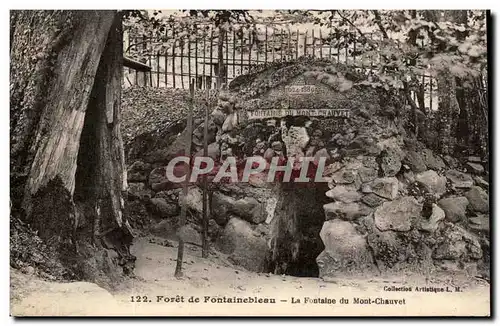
(249, 163)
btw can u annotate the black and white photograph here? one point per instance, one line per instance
(257, 163)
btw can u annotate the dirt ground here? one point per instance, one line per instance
(214, 279)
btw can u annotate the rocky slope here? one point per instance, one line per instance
(390, 203)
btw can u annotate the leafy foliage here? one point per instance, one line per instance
(29, 251)
(380, 35)
(150, 110)
(394, 48)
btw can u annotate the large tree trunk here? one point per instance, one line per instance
(449, 109)
(472, 129)
(67, 162)
(464, 123)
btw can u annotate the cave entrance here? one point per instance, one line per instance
(296, 225)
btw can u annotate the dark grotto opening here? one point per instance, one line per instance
(298, 219)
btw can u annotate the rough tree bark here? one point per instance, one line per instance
(472, 127)
(449, 110)
(462, 122)
(419, 89)
(221, 69)
(67, 162)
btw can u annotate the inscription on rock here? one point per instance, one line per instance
(280, 113)
(296, 100)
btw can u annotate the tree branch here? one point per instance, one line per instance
(135, 44)
(409, 99)
(416, 111)
(378, 21)
(353, 25)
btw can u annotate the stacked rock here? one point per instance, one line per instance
(391, 202)
(227, 113)
(408, 204)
